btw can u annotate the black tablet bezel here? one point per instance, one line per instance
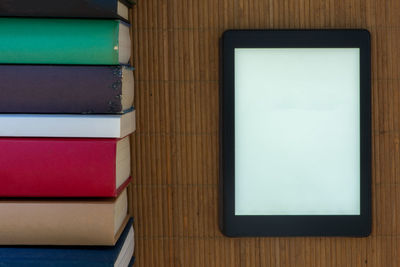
(292, 225)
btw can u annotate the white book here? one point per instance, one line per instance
(52, 125)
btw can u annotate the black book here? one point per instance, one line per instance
(104, 9)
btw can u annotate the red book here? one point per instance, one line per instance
(63, 167)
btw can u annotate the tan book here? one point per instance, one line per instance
(63, 221)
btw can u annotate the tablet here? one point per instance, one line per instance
(295, 133)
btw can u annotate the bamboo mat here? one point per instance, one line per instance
(175, 148)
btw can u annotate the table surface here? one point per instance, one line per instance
(175, 148)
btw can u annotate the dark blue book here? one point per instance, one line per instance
(120, 255)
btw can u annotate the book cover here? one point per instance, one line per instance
(63, 221)
(87, 256)
(63, 167)
(110, 9)
(62, 125)
(65, 89)
(64, 41)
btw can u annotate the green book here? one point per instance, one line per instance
(64, 41)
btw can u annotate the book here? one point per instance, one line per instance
(69, 9)
(64, 41)
(63, 221)
(65, 89)
(120, 255)
(64, 167)
(62, 125)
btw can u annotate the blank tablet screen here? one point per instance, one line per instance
(297, 131)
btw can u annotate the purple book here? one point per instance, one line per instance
(65, 89)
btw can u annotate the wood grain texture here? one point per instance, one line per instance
(175, 148)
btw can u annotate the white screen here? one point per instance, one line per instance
(297, 140)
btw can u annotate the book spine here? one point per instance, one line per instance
(41, 167)
(49, 263)
(61, 125)
(60, 89)
(69, 9)
(58, 41)
(57, 222)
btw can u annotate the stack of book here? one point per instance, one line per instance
(66, 104)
